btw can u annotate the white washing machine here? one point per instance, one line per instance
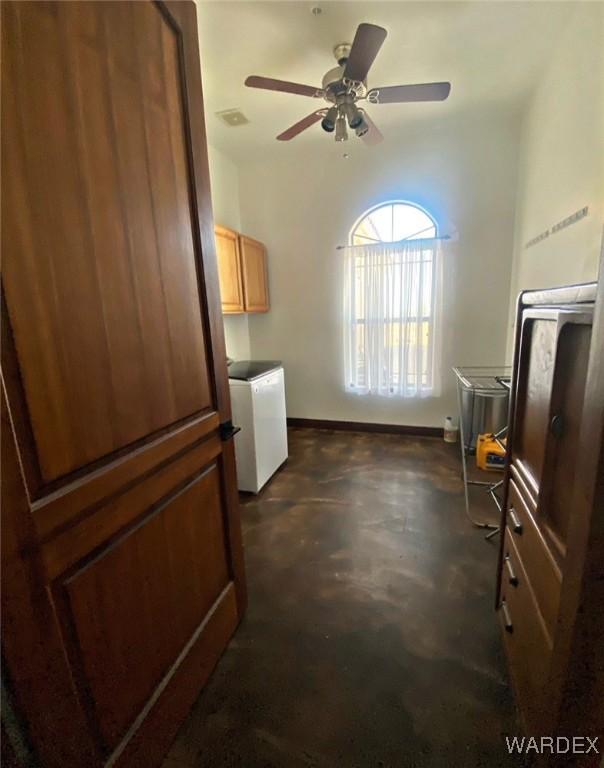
(258, 407)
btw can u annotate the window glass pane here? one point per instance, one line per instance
(367, 231)
(392, 346)
(358, 239)
(411, 222)
(381, 221)
(392, 222)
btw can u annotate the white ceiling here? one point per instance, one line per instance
(491, 52)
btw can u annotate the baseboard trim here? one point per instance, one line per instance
(363, 426)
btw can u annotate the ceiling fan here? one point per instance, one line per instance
(345, 85)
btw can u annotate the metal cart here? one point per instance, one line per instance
(482, 400)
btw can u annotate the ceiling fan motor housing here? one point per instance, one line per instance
(342, 52)
(334, 85)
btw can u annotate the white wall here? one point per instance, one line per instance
(461, 169)
(224, 180)
(561, 167)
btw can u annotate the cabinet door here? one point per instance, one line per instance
(566, 410)
(552, 369)
(229, 270)
(255, 279)
(536, 374)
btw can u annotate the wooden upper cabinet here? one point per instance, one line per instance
(229, 270)
(255, 278)
(243, 272)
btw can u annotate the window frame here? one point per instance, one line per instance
(358, 321)
(386, 204)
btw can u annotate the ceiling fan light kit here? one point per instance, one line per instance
(329, 121)
(341, 132)
(345, 85)
(363, 127)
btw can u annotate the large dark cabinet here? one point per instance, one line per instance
(550, 589)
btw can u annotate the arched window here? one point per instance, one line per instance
(391, 303)
(394, 221)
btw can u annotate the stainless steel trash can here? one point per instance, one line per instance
(482, 411)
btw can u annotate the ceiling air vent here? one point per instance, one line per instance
(232, 117)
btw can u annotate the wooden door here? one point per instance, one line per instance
(121, 553)
(229, 270)
(255, 278)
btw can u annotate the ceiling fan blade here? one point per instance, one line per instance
(270, 84)
(397, 94)
(365, 46)
(300, 126)
(373, 135)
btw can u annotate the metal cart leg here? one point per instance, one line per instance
(466, 482)
(493, 533)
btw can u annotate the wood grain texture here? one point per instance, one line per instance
(32, 646)
(131, 623)
(577, 688)
(254, 269)
(527, 644)
(56, 510)
(229, 270)
(152, 738)
(123, 565)
(553, 483)
(100, 521)
(567, 405)
(97, 230)
(543, 571)
(535, 392)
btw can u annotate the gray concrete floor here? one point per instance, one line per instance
(370, 637)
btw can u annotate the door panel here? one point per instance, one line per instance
(109, 275)
(116, 499)
(121, 553)
(131, 623)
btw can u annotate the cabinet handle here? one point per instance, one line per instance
(516, 524)
(507, 619)
(512, 578)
